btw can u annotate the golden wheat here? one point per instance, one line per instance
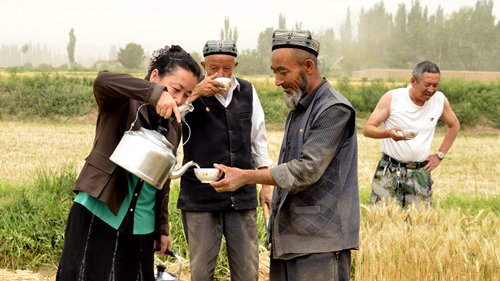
(427, 244)
(395, 244)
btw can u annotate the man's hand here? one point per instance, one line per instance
(166, 105)
(396, 134)
(265, 197)
(206, 88)
(234, 178)
(434, 162)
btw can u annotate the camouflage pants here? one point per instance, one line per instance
(404, 185)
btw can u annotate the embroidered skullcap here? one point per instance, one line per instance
(299, 39)
(224, 47)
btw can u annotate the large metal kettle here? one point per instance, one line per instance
(148, 155)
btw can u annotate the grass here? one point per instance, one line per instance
(455, 240)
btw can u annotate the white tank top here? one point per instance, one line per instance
(407, 115)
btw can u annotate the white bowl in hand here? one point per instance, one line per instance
(224, 80)
(410, 134)
(207, 175)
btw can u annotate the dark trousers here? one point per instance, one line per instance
(333, 266)
(95, 251)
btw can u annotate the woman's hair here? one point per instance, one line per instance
(167, 59)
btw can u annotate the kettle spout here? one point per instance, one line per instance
(179, 172)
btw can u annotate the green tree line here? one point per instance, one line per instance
(54, 95)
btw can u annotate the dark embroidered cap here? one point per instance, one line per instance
(224, 47)
(300, 39)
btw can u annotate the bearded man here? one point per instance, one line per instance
(314, 221)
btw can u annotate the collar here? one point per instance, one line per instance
(307, 98)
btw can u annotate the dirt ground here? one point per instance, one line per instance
(27, 275)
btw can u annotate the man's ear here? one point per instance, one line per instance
(309, 66)
(413, 81)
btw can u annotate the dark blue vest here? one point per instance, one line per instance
(218, 135)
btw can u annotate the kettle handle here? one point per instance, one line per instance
(161, 129)
(136, 116)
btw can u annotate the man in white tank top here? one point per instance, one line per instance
(410, 117)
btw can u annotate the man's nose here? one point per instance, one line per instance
(278, 82)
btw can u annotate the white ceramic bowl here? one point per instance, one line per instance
(224, 80)
(206, 175)
(410, 134)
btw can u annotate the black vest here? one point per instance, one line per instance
(218, 135)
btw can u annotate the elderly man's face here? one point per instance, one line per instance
(223, 65)
(425, 88)
(289, 75)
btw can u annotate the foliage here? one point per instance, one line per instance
(474, 102)
(457, 237)
(472, 204)
(228, 33)
(33, 220)
(46, 95)
(427, 244)
(273, 105)
(132, 56)
(50, 95)
(34, 216)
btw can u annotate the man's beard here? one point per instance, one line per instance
(292, 100)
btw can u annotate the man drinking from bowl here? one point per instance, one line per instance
(226, 128)
(404, 171)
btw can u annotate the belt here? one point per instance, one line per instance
(410, 165)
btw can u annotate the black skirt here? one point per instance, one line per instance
(93, 250)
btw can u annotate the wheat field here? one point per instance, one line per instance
(395, 244)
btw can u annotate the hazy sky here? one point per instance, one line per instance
(100, 24)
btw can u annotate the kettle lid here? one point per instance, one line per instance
(157, 137)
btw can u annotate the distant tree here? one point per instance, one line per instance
(399, 53)
(264, 46)
(24, 50)
(297, 26)
(347, 54)
(132, 56)
(329, 50)
(248, 64)
(281, 22)
(439, 36)
(418, 28)
(373, 33)
(71, 47)
(228, 33)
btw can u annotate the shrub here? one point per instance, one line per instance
(33, 221)
(46, 94)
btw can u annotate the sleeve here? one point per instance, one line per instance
(111, 89)
(325, 137)
(260, 145)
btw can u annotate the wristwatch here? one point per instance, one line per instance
(440, 155)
